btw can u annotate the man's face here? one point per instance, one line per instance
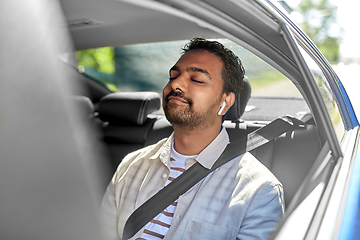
(194, 92)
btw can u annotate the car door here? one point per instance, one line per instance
(317, 212)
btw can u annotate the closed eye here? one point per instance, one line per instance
(196, 81)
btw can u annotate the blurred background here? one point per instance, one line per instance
(331, 24)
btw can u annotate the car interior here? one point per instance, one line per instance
(127, 121)
(112, 123)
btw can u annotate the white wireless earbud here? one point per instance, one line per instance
(221, 108)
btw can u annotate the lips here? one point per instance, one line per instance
(176, 99)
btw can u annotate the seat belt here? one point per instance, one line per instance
(166, 196)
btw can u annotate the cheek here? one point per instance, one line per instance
(213, 100)
(165, 91)
(202, 101)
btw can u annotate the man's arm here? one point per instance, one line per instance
(264, 212)
(108, 214)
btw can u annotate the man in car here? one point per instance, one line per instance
(239, 200)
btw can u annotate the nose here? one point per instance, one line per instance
(179, 83)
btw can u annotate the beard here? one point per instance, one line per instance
(185, 116)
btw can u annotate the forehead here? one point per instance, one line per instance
(201, 59)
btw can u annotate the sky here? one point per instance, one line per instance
(348, 17)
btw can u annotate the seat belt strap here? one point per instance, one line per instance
(166, 196)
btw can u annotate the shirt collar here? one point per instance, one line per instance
(164, 151)
(206, 157)
(212, 152)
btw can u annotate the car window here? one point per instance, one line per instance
(145, 67)
(327, 95)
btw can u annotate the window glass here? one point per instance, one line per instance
(145, 67)
(326, 94)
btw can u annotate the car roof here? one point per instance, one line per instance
(258, 28)
(113, 23)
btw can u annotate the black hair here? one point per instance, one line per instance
(233, 71)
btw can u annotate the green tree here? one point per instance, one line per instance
(319, 17)
(98, 63)
(101, 59)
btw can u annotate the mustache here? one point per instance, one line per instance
(180, 95)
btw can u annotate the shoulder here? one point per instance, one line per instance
(249, 177)
(255, 180)
(255, 170)
(262, 182)
(138, 156)
(146, 152)
(262, 189)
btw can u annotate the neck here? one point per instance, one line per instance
(192, 142)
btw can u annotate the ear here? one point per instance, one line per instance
(229, 100)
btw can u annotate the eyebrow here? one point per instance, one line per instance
(192, 69)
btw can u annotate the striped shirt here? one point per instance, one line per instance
(157, 228)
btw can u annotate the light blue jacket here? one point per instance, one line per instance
(240, 200)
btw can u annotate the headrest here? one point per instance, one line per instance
(241, 100)
(131, 107)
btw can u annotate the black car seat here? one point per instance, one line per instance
(241, 100)
(126, 122)
(289, 156)
(232, 119)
